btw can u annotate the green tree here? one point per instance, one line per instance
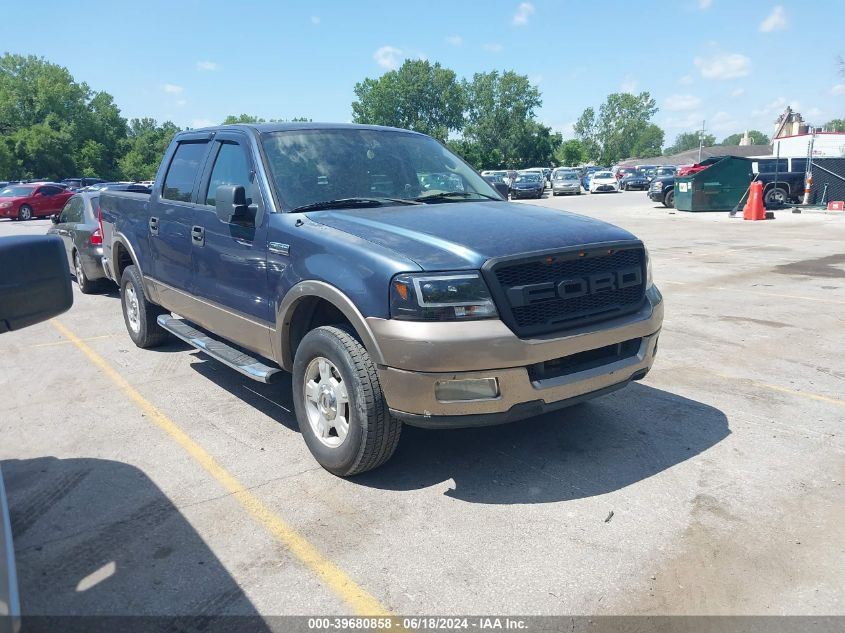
(616, 132)
(54, 126)
(146, 145)
(419, 96)
(689, 140)
(835, 125)
(242, 118)
(571, 153)
(757, 138)
(501, 127)
(649, 142)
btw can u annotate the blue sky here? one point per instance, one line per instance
(735, 63)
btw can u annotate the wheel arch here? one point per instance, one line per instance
(310, 304)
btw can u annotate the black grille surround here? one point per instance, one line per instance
(548, 312)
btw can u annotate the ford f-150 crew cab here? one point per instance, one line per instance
(389, 278)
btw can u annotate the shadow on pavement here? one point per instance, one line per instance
(583, 451)
(587, 450)
(95, 537)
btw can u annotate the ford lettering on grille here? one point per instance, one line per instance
(572, 288)
(553, 292)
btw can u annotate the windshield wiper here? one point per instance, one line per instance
(449, 195)
(344, 203)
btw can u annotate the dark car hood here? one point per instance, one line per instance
(464, 235)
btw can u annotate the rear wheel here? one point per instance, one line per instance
(669, 199)
(138, 313)
(25, 212)
(340, 408)
(86, 286)
(775, 197)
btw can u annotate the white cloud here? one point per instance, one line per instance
(722, 122)
(678, 103)
(686, 80)
(536, 79)
(315, 19)
(493, 48)
(206, 65)
(738, 92)
(725, 66)
(388, 57)
(524, 11)
(182, 102)
(838, 89)
(775, 108)
(704, 4)
(629, 84)
(172, 89)
(687, 122)
(814, 113)
(775, 21)
(455, 40)
(201, 123)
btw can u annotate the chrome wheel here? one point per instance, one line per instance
(25, 213)
(326, 402)
(133, 310)
(80, 274)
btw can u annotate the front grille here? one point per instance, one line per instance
(604, 285)
(582, 361)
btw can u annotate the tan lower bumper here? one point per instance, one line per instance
(414, 392)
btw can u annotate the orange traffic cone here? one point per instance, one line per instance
(753, 209)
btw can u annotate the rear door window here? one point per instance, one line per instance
(183, 170)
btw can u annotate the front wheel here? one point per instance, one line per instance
(340, 408)
(25, 212)
(138, 313)
(669, 199)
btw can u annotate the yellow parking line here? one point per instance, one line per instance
(792, 392)
(334, 577)
(66, 342)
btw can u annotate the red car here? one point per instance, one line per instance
(26, 201)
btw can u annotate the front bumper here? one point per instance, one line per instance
(656, 195)
(420, 355)
(525, 193)
(566, 188)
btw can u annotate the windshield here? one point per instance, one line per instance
(532, 177)
(602, 174)
(566, 175)
(313, 166)
(16, 192)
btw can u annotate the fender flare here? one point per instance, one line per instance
(321, 290)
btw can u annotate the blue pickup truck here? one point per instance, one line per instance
(388, 277)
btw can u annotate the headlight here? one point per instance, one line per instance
(657, 185)
(649, 277)
(457, 296)
(5, 205)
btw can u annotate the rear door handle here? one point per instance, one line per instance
(154, 225)
(198, 235)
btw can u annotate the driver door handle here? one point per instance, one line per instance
(153, 225)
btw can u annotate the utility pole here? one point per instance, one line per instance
(701, 139)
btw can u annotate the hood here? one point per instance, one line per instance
(528, 184)
(463, 235)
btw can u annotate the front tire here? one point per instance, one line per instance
(138, 313)
(25, 212)
(669, 199)
(775, 197)
(340, 408)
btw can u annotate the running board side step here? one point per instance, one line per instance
(220, 351)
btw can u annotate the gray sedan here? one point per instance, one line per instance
(565, 181)
(79, 227)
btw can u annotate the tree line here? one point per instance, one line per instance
(52, 126)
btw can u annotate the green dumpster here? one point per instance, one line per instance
(717, 188)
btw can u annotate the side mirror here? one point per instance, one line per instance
(35, 292)
(502, 188)
(55, 219)
(230, 204)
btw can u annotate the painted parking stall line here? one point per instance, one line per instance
(361, 602)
